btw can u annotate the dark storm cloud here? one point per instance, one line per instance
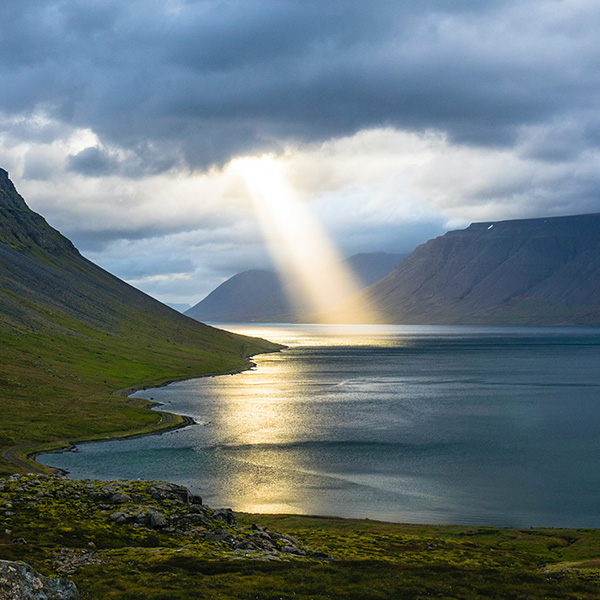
(98, 239)
(201, 81)
(99, 162)
(93, 162)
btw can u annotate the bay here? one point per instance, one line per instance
(436, 424)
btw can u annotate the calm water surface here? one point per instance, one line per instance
(475, 425)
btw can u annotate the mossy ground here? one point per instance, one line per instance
(371, 560)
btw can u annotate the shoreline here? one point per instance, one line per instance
(185, 422)
(27, 460)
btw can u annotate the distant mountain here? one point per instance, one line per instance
(178, 306)
(71, 334)
(522, 272)
(255, 295)
(261, 295)
(370, 267)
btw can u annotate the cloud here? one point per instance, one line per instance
(206, 81)
(92, 161)
(394, 120)
(180, 233)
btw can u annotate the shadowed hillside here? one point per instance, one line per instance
(261, 295)
(71, 333)
(255, 295)
(522, 272)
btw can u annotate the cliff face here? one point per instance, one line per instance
(24, 230)
(530, 271)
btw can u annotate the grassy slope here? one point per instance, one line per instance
(57, 386)
(71, 334)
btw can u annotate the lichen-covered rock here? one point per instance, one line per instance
(19, 581)
(91, 508)
(172, 492)
(66, 561)
(219, 535)
(120, 498)
(224, 514)
(118, 517)
(157, 519)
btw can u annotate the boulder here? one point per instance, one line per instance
(219, 535)
(141, 517)
(120, 498)
(170, 491)
(225, 514)
(19, 581)
(157, 519)
(119, 518)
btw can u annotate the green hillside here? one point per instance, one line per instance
(71, 334)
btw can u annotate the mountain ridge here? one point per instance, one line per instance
(543, 271)
(25, 230)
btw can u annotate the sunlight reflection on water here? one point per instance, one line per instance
(324, 334)
(422, 424)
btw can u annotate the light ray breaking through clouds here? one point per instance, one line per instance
(299, 246)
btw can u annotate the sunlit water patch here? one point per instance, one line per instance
(406, 423)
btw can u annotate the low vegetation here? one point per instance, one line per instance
(148, 540)
(57, 387)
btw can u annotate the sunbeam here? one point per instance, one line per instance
(299, 246)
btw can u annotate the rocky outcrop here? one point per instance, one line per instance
(159, 507)
(19, 581)
(24, 230)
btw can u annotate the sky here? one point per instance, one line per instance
(393, 121)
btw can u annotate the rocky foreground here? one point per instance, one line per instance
(89, 515)
(19, 581)
(134, 540)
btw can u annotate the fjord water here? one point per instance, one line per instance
(436, 424)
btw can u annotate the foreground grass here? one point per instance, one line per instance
(371, 560)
